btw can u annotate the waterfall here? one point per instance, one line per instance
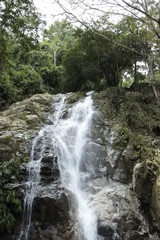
(69, 136)
(34, 166)
(72, 135)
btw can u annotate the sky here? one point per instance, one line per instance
(49, 9)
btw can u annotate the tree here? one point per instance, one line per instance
(59, 37)
(134, 35)
(145, 11)
(95, 60)
(19, 22)
(148, 13)
(19, 18)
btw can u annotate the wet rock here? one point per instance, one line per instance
(94, 155)
(50, 215)
(46, 170)
(144, 174)
(23, 169)
(134, 227)
(48, 209)
(119, 213)
(49, 167)
(129, 153)
(106, 231)
(121, 174)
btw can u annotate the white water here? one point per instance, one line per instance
(34, 166)
(72, 135)
(69, 137)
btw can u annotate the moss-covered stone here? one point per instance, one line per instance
(19, 124)
(74, 97)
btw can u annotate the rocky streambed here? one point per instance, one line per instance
(124, 185)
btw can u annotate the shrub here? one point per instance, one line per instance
(10, 205)
(52, 78)
(8, 90)
(27, 80)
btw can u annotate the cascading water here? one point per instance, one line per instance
(34, 166)
(69, 138)
(31, 185)
(72, 135)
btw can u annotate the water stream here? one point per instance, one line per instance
(69, 136)
(34, 166)
(72, 135)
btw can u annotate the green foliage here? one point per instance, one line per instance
(67, 59)
(137, 123)
(145, 147)
(52, 78)
(27, 80)
(39, 59)
(59, 37)
(123, 135)
(81, 65)
(4, 52)
(21, 19)
(8, 90)
(42, 62)
(10, 205)
(19, 22)
(94, 58)
(17, 83)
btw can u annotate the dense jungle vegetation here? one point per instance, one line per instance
(69, 58)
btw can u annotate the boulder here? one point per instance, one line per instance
(144, 175)
(119, 213)
(50, 215)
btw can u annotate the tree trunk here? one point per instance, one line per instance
(55, 57)
(152, 77)
(135, 73)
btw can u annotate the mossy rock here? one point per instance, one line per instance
(6, 137)
(74, 97)
(5, 123)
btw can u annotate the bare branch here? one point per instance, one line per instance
(97, 33)
(141, 11)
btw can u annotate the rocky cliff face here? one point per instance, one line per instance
(125, 183)
(19, 124)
